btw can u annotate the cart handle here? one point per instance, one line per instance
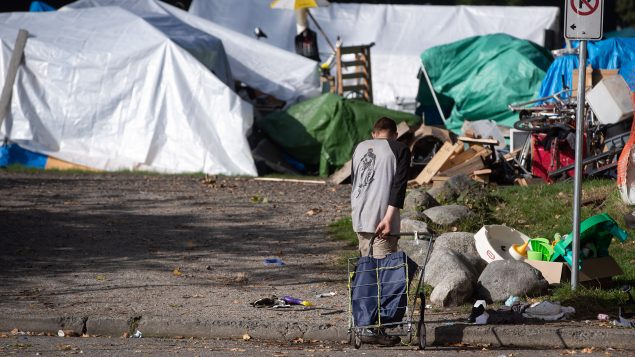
(416, 234)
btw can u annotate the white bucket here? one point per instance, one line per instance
(494, 242)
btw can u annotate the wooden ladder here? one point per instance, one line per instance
(353, 72)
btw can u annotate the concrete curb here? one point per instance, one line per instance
(437, 334)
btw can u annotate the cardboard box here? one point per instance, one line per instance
(592, 269)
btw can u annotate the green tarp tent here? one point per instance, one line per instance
(482, 75)
(322, 132)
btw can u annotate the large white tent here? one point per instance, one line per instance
(400, 32)
(102, 87)
(271, 70)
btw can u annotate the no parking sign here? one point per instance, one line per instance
(583, 19)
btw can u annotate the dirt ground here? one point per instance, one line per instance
(175, 246)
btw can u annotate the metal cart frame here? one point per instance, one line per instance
(405, 325)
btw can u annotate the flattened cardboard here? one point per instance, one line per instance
(592, 269)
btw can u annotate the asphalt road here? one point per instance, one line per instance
(98, 346)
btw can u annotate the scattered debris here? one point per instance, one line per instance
(136, 334)
(259, 199)
(322, 295)
(274, 262)
(313, 211)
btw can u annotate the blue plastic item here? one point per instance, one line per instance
(40, 6)
(274, 262)
(612, 53)
(13, 154)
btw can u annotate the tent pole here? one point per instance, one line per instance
(434, 96)
(320, 29)
(14, 63)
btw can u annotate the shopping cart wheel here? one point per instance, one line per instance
(421, 332)
(356, 339)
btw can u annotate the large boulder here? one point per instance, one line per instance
(504, 278)
(462, 242)
(452, 277)
(416, 215)
(461, 183)
(443, 193)
(413, 225)
(448, 214)
(452, 188)
(415, 250)
(418, 200)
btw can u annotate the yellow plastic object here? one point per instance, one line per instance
(519, 252)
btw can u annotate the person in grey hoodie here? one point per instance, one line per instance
(379, 175)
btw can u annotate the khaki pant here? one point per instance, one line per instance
(381, 246)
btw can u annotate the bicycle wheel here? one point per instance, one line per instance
(540, 125)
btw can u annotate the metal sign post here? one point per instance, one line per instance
(583, 21)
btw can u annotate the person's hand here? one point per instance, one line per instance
(383, 228)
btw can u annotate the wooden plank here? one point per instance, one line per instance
(466, 168)
(275, 179)
(340, 176)
(464, 156)
(437, 162)
(481, 178)
(353, 63)
(53, 163)
(482, 172)
(478, 141)
(9, 79)
(440, 178)
(402, 129)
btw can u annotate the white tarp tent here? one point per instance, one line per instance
(400, 32)
(104, 88)
(267, 68)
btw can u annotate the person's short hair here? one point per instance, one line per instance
(385, 124)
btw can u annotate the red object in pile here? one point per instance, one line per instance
(542, 158)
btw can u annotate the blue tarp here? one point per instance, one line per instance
(613, 53)
(628, 72)
(13, 154)
(40, 6)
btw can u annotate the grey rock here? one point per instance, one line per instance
(461, 183)
(416, 252)
(462, 242)
(412, 225)
(444, 193)
(446, 215)
(416, 215)
(418, 200)
(503, 278)
(452, 277)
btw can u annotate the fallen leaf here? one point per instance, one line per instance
(176, 272)
(125, 335)
(65, 347)
(100, 277)
(15, 331)
(298, 340)
(246, 337)
(588, 350)
(313, 211)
